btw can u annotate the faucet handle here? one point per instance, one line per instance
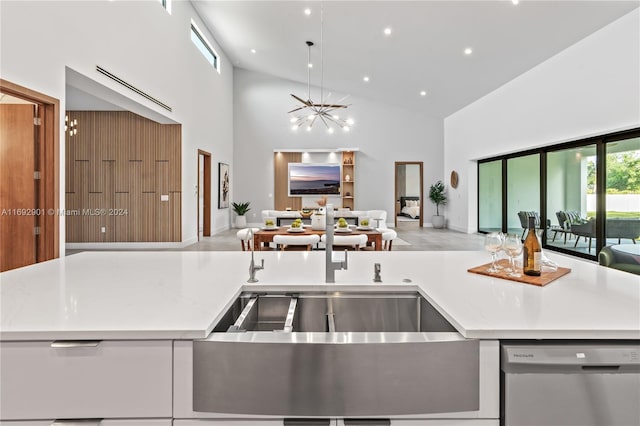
(261, 264)
(376, 273)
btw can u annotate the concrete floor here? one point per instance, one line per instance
(416, 239)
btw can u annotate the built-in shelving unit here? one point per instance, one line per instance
(348, 178)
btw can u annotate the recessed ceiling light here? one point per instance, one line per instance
(423, 93)
(253, 50)
(515, 1)
(468, 51)
(307, 11)
(310, 65)
(366, 79)
(387, 31)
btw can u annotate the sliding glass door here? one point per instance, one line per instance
(490, 194)
(586, 194)
(523, 191)
(622, 201)
(571, 199)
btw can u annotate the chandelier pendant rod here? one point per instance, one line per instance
(309, 44)
(321, 53)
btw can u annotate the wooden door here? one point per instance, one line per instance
(18, 195)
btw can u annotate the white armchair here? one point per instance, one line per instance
(379, 218)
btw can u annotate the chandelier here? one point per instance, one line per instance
(310, 112)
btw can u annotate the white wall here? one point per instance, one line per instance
(145, 46)
(590, 88)
(383, 133)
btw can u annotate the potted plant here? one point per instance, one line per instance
(241, 210)
(437, 197)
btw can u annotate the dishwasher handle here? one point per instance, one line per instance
(600, 368)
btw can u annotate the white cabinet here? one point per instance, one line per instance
(86, 380)
(119, 422)
(428, 422)
(229, 422)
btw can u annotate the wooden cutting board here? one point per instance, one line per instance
(542, 280)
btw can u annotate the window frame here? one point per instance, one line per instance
(600, 143)
(166, 4)
(194, 29)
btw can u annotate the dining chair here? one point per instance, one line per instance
(347, 242)
(295, 242)
(243, 236)
(387, 239)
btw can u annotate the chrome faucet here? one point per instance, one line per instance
(252, 266)
(330, 266)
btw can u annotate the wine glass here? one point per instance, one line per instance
(513, 248)
(493, 244)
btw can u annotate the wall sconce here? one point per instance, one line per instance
(70, 126)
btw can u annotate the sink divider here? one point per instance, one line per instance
(238, 325)
(288, 323)
(331, 317)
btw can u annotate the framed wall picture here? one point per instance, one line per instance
(223, 186)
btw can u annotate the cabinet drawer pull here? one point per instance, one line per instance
(306, 422)
(367, 422)
(76, 422)
(75, 344)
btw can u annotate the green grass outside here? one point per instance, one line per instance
(618, 215)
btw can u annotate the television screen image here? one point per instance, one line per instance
(314, 179)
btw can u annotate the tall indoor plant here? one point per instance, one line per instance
(437, 197)
(241, 210)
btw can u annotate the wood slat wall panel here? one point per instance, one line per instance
(122, 151)
(163, 207)
(175, 198)
(136, 220)
(121, 219)
(174, 156)
(150, 213)
(108, 167)
(281, 162)
(149, 157)
(70, 158)
(72, 223)
(112, 164)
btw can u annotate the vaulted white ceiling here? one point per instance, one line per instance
(425, 50)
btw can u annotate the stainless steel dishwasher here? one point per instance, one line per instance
(592, 383)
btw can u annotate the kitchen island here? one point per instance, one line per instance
(150, 306)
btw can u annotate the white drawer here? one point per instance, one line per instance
(104, 379)
(107, 422)
(229, 422)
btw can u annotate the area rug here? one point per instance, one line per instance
(400, 242)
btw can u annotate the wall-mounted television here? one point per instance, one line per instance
(314, 179)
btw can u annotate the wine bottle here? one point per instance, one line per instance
(532, 253)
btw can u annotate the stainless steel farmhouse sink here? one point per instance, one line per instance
(335, 354)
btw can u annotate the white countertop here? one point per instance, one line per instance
(181, 295)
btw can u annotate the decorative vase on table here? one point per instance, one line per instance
(318, 221)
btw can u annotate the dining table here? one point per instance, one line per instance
(264, 236)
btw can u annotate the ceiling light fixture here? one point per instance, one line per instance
(310, 112)
(387, 31)
(253, 51)
(366, 79)
(307, 11)
(423, 93)
(515, 2)
(468, 51)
